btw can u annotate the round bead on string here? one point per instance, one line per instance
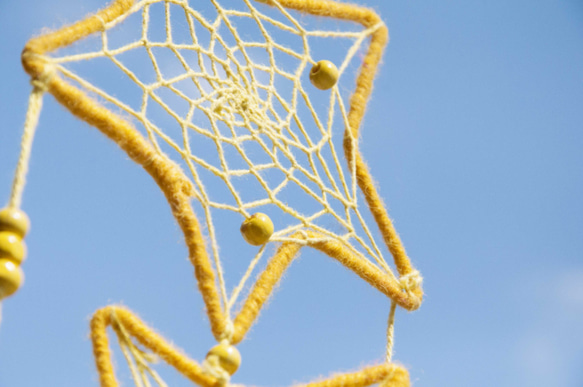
(14, 225)
(12, 247)
(257, 229)
(324, 75)
(227, 355)
(14, 220)
(11, 278)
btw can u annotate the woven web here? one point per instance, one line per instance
(225, 93)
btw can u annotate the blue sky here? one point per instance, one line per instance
(474, 136)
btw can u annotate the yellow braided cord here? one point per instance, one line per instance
(254, 136)
(127, 326)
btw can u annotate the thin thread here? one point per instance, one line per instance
(391, 332)
(229, 331)
(35, 103)
(239, 288)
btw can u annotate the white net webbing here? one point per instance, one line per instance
(222, 88)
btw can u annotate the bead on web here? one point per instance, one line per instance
(324, 75)
(257, 229)
(228, 357)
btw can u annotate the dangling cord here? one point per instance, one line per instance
(35, 103)
(408, 283)
(391, 331)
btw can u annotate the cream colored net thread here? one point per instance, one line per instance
(235, 102)
(257, 116)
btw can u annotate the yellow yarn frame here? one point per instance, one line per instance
(178, 191)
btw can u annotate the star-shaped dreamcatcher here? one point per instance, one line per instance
(238, 99)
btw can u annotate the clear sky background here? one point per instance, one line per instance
(475, 137)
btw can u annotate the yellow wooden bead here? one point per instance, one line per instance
(324, 75)
(12, 219)
(257, 229)
(228, 356)
(11, 278)
(12, 247)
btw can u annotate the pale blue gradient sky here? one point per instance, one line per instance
(475, 137)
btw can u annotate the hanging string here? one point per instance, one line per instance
(35, 103)
(408, 282)
(391, 332)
